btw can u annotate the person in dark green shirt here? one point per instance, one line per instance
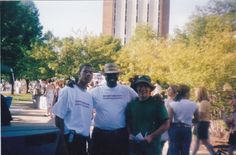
(146, 119)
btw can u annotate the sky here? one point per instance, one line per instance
(73, 18)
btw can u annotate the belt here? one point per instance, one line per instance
(70, 137)
(182, 125)
(115, 131)
(81, 136)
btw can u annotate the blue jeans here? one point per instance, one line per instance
(179, 140)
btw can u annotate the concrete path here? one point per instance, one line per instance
(24, 113)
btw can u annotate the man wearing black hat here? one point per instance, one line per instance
(110, 135)
(147, 119)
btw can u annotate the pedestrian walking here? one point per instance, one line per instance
(49, 94)
(203, 123)
(181, 111)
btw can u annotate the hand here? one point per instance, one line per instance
(71, 83)
(158, 98)
(131, 137)
(148, 138)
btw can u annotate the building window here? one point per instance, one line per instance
(126, 6)
(158, 22)
(137, 11)
(125, 28)
(114, 27)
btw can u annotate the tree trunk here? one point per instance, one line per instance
(12, 88)
(27, 86)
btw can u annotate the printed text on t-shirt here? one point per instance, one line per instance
(81, 103)
(112, 96)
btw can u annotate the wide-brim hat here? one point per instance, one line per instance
(144, 79)
(110, 68)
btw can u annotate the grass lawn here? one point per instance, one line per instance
(20, 97)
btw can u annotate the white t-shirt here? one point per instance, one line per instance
(75, 107)
(110, 104)
(183, 111)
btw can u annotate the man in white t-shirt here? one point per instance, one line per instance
(73, 112)
(110, 136)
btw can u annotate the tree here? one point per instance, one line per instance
(203, 54)
(69, 57)
(144, 32)
(210, 36)
(218, 16)
(91, 49)
(141, 54)
(100, 50)
(41, 61)
(20, 27)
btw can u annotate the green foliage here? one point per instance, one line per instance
(100, 50)
(93, 50)
(217, 17)
(52, 57)
(20, 27)
(41, 61)
(202, 55)
(144, 32)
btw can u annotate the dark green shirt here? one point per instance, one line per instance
(146, 117)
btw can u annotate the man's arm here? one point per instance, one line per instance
(127, 119)
(171, 114)
(149, 138)
(59, 123)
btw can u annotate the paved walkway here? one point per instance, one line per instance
(24, 113)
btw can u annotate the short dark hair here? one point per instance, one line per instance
(50, 80)
(82, 66)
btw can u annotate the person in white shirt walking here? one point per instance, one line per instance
(49, 94)
(74, 112)
(110, 135)
(181, 111)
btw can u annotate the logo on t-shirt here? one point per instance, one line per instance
(81, 103)
(108, 97)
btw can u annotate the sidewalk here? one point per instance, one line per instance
(30, 132)
(201, 151)
(24, 113)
